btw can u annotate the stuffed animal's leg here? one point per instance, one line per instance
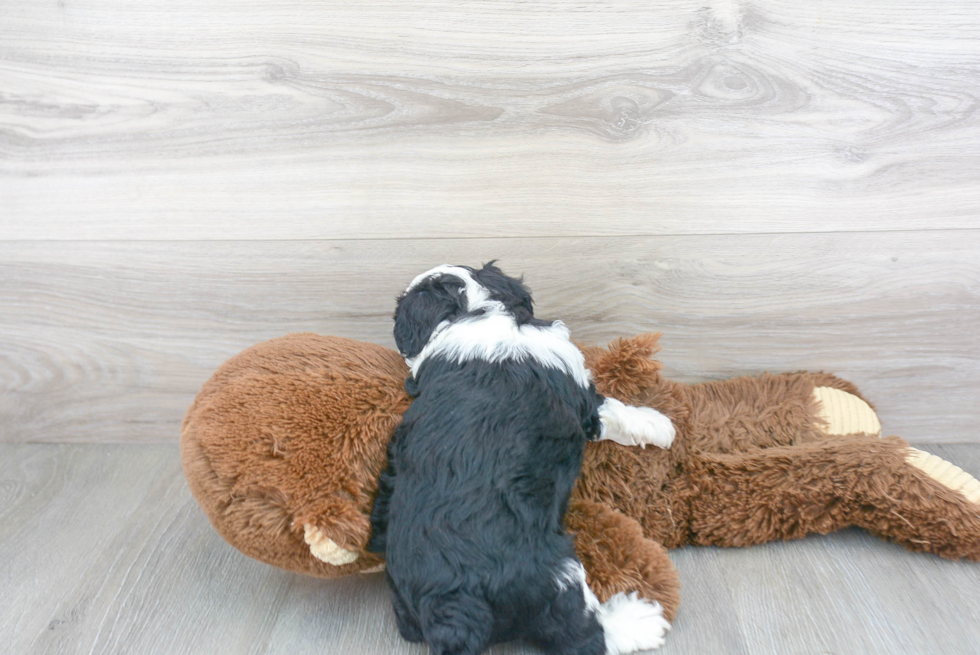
(335, 529)
(882, 485)
(618, 559)
(741, 414)
(735, 415)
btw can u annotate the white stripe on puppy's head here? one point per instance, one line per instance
(433, 300)
(477, 295)
(462, 314)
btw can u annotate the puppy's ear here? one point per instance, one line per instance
(423, 308)
(510, 291)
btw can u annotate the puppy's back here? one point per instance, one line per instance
(485, 461)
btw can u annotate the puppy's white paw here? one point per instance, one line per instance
(326, 549)
(635, 426)
(631, 624)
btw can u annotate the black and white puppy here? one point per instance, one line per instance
(469, 512)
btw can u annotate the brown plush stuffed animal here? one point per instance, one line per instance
(284, 444)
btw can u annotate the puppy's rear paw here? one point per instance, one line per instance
(631, 624)
(635, 426)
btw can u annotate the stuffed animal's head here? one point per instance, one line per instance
(446, 294)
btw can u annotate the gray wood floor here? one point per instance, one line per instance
(103, 550)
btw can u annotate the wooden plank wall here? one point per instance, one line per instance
(775, 186)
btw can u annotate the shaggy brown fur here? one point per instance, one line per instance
(290, 432)
(293, 432)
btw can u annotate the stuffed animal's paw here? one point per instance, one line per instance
(635, 426)
(326, 549)
(845, 413)
(632, 624)
(950, 476)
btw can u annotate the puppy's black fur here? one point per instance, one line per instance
(469, 510)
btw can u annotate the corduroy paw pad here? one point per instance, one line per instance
(845, 413)
(326, 549)
(946, 474)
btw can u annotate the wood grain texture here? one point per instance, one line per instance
(775, 185)
(103, 550)
(110, 341)
(433, 118)
(826, 578)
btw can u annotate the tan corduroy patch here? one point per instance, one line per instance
(845, 413)
(326, 549)
(946, 474)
